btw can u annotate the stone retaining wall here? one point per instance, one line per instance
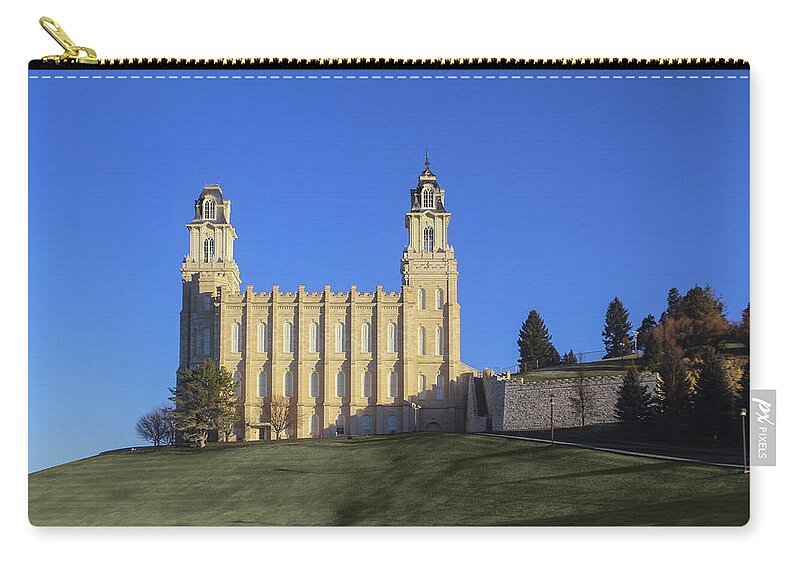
(515, 405)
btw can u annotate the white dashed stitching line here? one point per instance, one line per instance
(390, 77)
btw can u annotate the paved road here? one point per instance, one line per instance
(718, 457)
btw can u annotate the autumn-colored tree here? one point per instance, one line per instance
(698, 319)
(673, 389)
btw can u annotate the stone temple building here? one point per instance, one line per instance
(351, 362)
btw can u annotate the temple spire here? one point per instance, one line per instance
(427, 162)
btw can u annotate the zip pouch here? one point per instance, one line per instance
(219, 334)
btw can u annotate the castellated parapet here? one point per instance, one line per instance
(350, 362)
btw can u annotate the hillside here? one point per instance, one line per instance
(424, 479)
(608, 367)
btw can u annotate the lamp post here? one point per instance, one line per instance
(743, 413)
(415, 407)
(551, 421)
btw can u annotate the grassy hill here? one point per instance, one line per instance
(424, 479)
(607, 367)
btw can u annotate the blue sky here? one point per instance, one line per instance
(565, 192)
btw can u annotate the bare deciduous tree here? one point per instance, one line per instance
(583, 401)
(157, 426)
(282, 415)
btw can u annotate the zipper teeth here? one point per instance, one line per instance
(455, 63)
(363, 62)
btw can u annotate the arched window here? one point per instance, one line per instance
(262, 384)
(366, 387)
(288, 384)
(313, 384)
(427, 239)
(421, 387)
(440, 387)
(288, 337)
(427, 198)
(392, 384)
(439, 341)
(262, 337)
(391, 337)
(209, 209)
(340, 384)
(366, 424)
(391, 424)
(340, 336)
(366, 337)
(236, 330)
(439, 299)
(208, 250)
(421, 344)
(207, 341)
(206, 302)
(313, 337)
(314, 425)
(237, 381)
(421, 299)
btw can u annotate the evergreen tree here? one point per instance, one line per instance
(713, 409)
(744, 327)
(744, 388)
(653, 351)
(645, 330)
(569, 358)
(674, 303)
(205, 400)
(535, 344)
(634, 402)
(616, 333)
(552, 358)
(673, 390)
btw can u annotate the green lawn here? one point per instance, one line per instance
(424, 479)
(608, 367)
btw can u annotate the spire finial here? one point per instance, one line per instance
(427, 162)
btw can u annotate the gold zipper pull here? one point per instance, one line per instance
(72, 52)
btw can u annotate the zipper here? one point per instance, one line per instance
(79, 57)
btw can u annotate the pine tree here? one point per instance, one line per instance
(674, 303)
(569, 358)
(653, 351)
(205, 400)
(535, 344)
(616, 335)
(744, 388)
(744, 327)
(713, 409)
(645, 331)
(634, 402)
(673, 389)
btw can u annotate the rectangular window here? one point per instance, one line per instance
(235, 339)
(340, 337)
(207, 342)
